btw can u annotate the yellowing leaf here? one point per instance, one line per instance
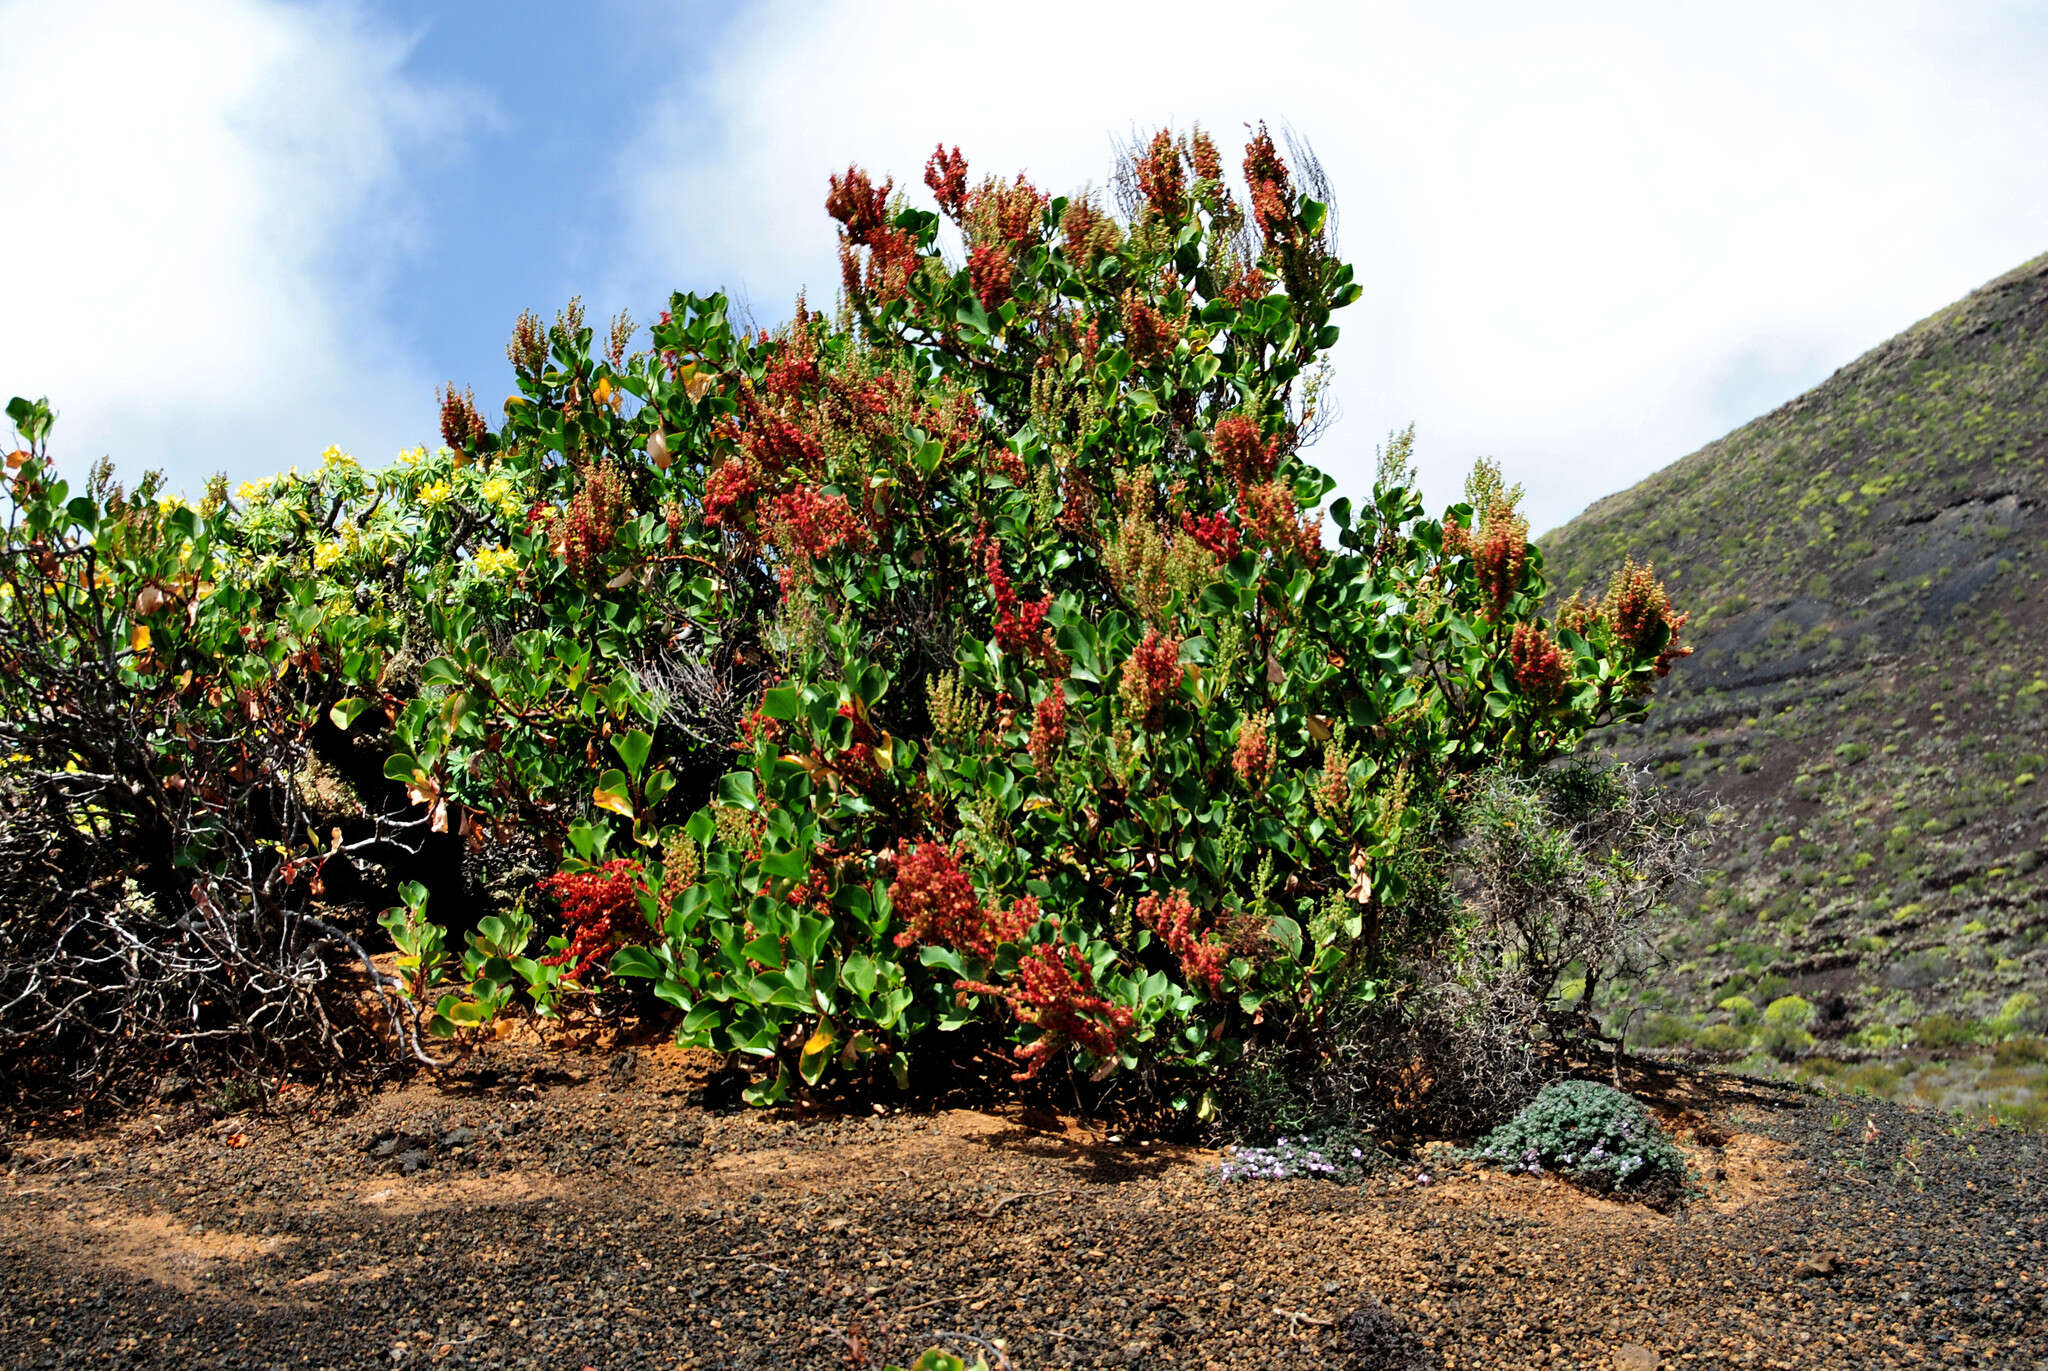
(617, 803)
(820, 1041)
(138, 639)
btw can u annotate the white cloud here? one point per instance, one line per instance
(1591, 240)
(203, 200)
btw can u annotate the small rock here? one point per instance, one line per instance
(1633, 1356)
(415, 1158)
(1814, 1266)
(461, 1136)
(387, 1147)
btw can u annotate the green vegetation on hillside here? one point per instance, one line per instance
(1868, 698)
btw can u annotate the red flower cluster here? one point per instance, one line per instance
(1272, 516)
(1246, 455)
(1161, 180)
(1057, 996)
(936, 903)
(730, 485)
(863, 208)
(602, 910)
(1638, 609)
(1214, 532)
(1245, 284)
(1202, 961)
(1086, 233)
(1048, 728)
(1208, 163)
(1153, 674)
(595, 513)
(1149, 334)
(806, 524)
(1252, 758)
(1019, 628)
(947, 177)
(1501, 556)
(1539, 665)
(1272, 191)
(461, 426)
(795, 367)
(990, 270)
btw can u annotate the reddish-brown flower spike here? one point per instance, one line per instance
(1160, 178)
(1638, 610)
(860, 205)
(947, 177)
(1539, 665)
(461, 426)
(602, 910)
(1152, 676)
(1272, 192)
(989, 270)
(1214, 532)
(1246, 456)
(1252, 758)
(1149, 334)
(1501, 557)
(1202, 961)
(1048, 729)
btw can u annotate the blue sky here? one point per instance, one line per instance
(1593, 236)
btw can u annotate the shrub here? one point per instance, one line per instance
(1721, 1039)
(1946, 1030)
(975, 659)
(1592, 1133)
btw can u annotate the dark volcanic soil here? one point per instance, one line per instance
(553, 1212)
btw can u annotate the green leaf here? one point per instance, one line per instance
(401, 766)
(635, 961)
(782, 702)
(346, 712)
(633, 748)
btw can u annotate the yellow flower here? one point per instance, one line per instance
(326, 555)
(435, 493)
(413, 456)
(496, 563)
(249, 492)
(498, 491)
(335, 457)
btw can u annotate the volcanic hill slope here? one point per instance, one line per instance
(1868, 698)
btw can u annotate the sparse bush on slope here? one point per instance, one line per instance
(974, 658)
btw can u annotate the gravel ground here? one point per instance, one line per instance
(550, 1210)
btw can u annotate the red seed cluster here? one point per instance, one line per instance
(1540, 666)
(937, 906)
(1214, 532)
(1252, 758)
(1273, 518)
(989, 271)
(1020, 627)
(1638, 610)
(602, 910)
(1246, 455)
(592, 523)
(863, 209)
(806, 524)
(1272, 190)
(1501, 557)
(1202, 961)
(1153, 674)
(1149, 334)
(462, 427)
(1161, 180)
(1057, 996)
(1048, 729)
(947, 177)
